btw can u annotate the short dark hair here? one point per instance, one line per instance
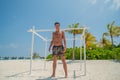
(56, 23)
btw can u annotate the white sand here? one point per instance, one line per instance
(96, 70)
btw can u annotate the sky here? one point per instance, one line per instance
(18, 16)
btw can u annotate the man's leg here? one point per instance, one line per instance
(64, 65)
(54, 65)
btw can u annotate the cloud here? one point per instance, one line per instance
(115, 4)
(11, 45)
(106, 1)
(93, 1)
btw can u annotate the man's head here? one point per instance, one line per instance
(57, 26)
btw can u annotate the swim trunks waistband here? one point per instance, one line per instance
(57, 46)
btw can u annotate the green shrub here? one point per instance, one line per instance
(49, 57)
(93, 54)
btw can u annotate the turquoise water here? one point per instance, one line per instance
(18, 58)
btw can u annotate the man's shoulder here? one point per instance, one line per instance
(53, 32)
(62, 32)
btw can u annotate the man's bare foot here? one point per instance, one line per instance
(66, 76)
(52, 75)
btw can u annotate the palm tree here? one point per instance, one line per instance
(89, 39)
(113, 31)
(74, 32)
(104, 41)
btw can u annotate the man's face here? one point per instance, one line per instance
(57, 27)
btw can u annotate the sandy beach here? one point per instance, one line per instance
(95, 70)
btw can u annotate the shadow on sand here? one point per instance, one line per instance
(14, 75)
(117, 61)
(24, 73)
(49, 78)
(70, 61)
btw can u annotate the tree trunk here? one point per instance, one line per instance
(73, 46)
(112, 41)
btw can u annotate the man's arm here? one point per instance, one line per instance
(51, 43)
(64, 39)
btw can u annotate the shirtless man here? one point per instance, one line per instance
(58, 48)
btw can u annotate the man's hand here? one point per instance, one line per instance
(64, 50)
(50, 45)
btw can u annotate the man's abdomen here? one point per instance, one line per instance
(57, 42)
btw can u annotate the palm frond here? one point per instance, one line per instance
(74, 32)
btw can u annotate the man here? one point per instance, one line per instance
(58, 48)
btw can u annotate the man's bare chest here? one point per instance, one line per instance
(57, 35)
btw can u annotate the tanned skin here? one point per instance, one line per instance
(57, 41)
